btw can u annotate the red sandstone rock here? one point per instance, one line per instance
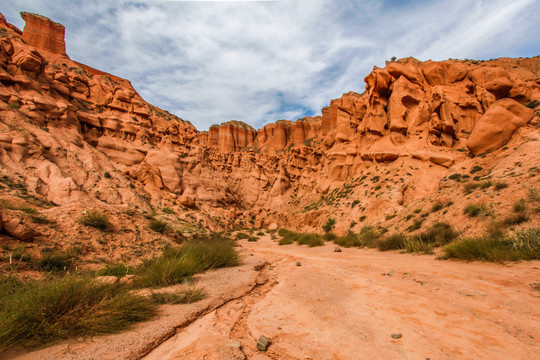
(44, 33)
(497, 125)
(19, 231)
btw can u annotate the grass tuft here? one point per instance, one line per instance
(37, 312)
(175, 264)
(180, 297)
(158, 226)
(96, 219)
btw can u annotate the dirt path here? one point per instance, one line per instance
(347, 305)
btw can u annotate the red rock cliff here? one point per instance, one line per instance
(44, 33)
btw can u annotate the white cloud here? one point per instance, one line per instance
(259, 61)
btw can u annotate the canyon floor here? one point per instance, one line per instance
(347, 305)
(314, 303)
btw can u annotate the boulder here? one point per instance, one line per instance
(15, 228)
(497, 126)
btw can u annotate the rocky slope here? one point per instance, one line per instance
(73, 138)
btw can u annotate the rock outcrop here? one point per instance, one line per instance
(64, 125)
(44, 33)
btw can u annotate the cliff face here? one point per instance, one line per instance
(65, 124)
(44, 33)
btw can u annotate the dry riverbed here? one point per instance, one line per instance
(338, 305)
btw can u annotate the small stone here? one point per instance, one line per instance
(396, 336)
(128, 279)
(298, 263)
(107, 279)
(337, 249)
(263, 343)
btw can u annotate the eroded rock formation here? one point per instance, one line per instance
(65, 124)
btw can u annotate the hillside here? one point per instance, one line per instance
(423, 141)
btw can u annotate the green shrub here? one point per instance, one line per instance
(354, 203)
(417, 224)
(500, 185)
(474, 210)
(180, 297)
(285, 241)
(194, 256)
(349, 240)
(362, 218)
(437, 206)
(440, 233)
(525, 245)
(107, 175)
(476, 169)
(329, 225)
(369, 236)
(260, 233)
(38, 312)
(14, 105)
(168, 210)
(485, 185)
(469, 187)
(415, 245)
(288, 237)
(480, 249)
(392, 242)
(329, 236)
(55, 261)
(158, 226)
(96, 219)
(118, 270)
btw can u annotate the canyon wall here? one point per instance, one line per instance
(64, 124)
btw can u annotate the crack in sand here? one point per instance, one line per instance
(260, 281)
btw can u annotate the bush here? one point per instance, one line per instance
(469, 187)
(416, 245)
(524, 245)
(437, 206)
(329, 226)
(175, 264)
(348, 240)
(417, 224)
(288, 237)
(474, 210)
(329, 236)
(38, 312)
(500, 185)
(118, 270)
(180, 297)
(158, 226)
(285, 241)
(96, 219)
(168, 210)
(369, 236)
(246, 236)
(440, 233)
(55, 261)
(392, 242)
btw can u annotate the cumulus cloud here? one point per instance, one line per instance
(260, 61)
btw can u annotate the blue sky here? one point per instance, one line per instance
(261, 61)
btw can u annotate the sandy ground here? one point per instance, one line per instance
(337, 305)
(347, 305)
